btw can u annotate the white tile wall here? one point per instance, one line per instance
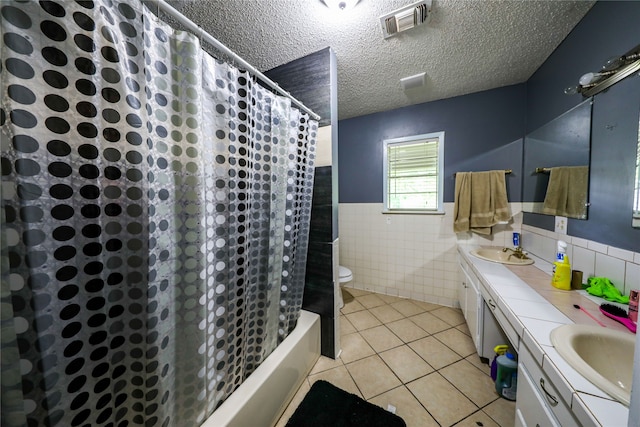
(594, 259)
(412, 256)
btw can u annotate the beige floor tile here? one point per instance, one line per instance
(352, 307)
(408, 308)
(386, 313)
(471, 381)
(407, 407)
(434, 352)
(430, 323)
(356, 292)
(372, 376)
(443, 401)
(474, 359)
(426, 305)
(381, 338)
(339, 377)
(345, 326)
(324, 364)
(389, 299)
(502, 411)
(293, 405)
(464, 329)
(478, 419)
(405, 363)
(407, 330)
(452, 316)
(451, 395)
(362, 320)
(354, 347)
(370, 301)
(457, 341)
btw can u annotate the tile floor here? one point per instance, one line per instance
(413, 355)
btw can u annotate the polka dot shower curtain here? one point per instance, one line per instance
(155, 218)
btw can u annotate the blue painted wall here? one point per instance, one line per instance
(482, 131)
(610, 28)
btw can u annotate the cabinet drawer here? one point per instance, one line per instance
(546, 389)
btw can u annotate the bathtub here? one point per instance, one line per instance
(263, 397)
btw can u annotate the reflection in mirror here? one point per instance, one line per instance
(556, 165)
(636, 191)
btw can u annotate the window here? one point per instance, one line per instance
(413, 174)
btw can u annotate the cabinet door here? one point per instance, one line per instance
(473, 303)
(462, 291)
(472, 310)
(531, 409)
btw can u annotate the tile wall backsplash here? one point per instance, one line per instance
(414, 256)
(622, 267)
(411, 256)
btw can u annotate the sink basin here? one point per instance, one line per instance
(496, 254)
(603, 356)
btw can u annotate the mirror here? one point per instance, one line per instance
(560, 148)
(635, 222)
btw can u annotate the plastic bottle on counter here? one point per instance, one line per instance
(634, 297)
(561, 278)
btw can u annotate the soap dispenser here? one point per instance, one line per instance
(562, 274)
(561, 250)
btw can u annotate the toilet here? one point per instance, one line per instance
(345, 276)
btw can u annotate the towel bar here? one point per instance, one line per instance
(543, 170)
(506, 171)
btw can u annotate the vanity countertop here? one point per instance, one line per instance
(534, 308)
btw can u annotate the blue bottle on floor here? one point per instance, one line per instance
(507, 377)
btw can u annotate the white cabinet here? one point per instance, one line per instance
(485, 330)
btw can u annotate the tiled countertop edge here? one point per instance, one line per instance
(589, 404)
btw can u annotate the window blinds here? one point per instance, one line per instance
(412, 175)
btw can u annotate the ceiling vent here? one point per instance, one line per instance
(405, 18)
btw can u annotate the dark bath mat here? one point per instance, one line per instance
(325, 405)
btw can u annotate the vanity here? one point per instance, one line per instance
(512, 305)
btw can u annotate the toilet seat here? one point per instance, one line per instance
(345, 275)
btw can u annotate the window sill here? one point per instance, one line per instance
(410, 212)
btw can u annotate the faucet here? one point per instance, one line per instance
(517, 252)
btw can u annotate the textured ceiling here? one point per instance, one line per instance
(468, 46)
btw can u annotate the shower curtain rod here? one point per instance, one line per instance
(200, 32)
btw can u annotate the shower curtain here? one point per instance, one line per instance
(155, 218)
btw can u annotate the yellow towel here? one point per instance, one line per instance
(480, 201)
(567, 192)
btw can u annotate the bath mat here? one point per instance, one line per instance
(325, 405)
